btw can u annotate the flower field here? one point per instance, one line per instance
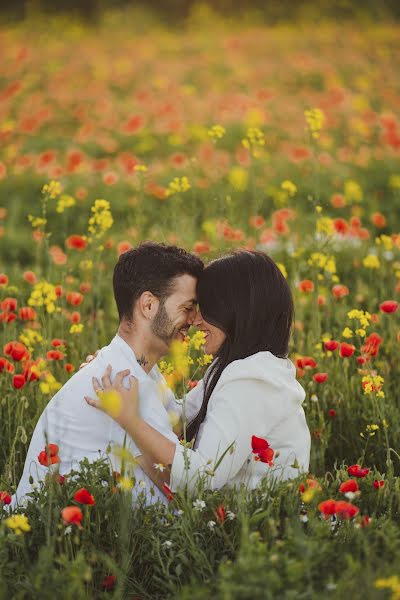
(210, 136)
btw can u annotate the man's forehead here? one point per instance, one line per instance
(184, 286)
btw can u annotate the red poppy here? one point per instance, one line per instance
(389, 306)
(341, 226)
(5, 498)
(3, 279)
(371, 345)
(30, 277)
(168, 492)
(306, 285)
(9, 304)
(27, 313)
(69, 367)
(365, 521)
(72, 515)
(346, 510)
(256, 221)
(346, 350)
(332, 412)
(123, 247)
(55, 355)
(75, 317)
(306, 361)
(58, 291)
(16, 350)
(220, 513)
(320, 377)
(76, 242)
(340, 291)
(262, 450)
(327, 507)
(331, 345)
(83, 496)
(350, 485)
(379, 483)
(109, 582)
(49, 456)
(201, 247)
(74, 298)
(19, 381)
(357, 471)
(57, 342)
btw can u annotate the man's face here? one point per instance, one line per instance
(176, 313)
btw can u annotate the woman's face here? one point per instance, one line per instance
(214, 336)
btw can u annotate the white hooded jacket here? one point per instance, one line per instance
(260, 396)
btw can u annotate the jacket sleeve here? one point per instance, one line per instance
(238, 410)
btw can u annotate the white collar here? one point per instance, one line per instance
(129, 354)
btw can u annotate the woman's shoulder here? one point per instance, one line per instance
(261, 366)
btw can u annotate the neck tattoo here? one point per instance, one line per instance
(142, 361)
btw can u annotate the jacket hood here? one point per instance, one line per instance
(279, 373)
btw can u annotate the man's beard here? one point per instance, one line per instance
(162, 326)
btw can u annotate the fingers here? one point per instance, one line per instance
(106, 379)
(134, 383)
(96, 353)
(96, 385)
(93, 402)
(89, 357)
(120, 376)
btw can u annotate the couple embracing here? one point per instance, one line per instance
(249, 400)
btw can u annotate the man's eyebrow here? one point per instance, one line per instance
(191, 301)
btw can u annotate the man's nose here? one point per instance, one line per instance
(192, 316)
(197, 320)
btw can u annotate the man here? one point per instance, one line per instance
(155, 292)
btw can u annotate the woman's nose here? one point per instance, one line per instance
(198, 319)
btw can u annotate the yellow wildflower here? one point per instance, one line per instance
(347, 333)
(19, 523)
(325, 225)
(353, 191)
(110, 401)
(101, 219)
(371, 262)
(289, 187)
(52, 189)
(216, 132)
(315, 120)
(394, 181)
(65, 201)
(37, 221)
(76, 328)
(178, 185)
(43, 294)
(238, 178)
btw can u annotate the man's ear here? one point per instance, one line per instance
(148, 305)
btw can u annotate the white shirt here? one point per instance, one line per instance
(260, 396)
(82, 431)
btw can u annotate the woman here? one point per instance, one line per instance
(247, 421)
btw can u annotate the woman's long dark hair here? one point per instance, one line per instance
(245, 295)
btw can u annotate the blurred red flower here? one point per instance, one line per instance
(72, 515)
(320, 377)
(109, 582)
(262, 450)
(306, 286)
(17, 351)
(5, 498)
(220, 513)
(357, 471)
(83, 496)
(76, 242)
(74, 298)
(346, 350)
(49, 456)
(3, 279)
(350, 485)
(389, 306)
(327, 507)
(331, 345)
(340, 291)
(379, 483)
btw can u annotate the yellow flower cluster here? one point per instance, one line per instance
(392, 583)
(238, 178)
(325, 225)
(289, 187)
(140, 168)
(254, 141)
(373, 383)
(30, 338)
(101, 220)
(19, 523)
(50, 385)
(64, 202)
(216, 132)
(364, 317)
(394, 181)
(52, 189)
(197, 340)
(371, 262)
(353, 191)
(315, 120)
(205, 360)
(37, 221)
(384, 240)
(178, 185)
(76, 328)
(322, 261)
(43, 294)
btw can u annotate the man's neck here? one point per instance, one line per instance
(146, 356)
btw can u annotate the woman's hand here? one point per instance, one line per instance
(89, 359)
(115, 400)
